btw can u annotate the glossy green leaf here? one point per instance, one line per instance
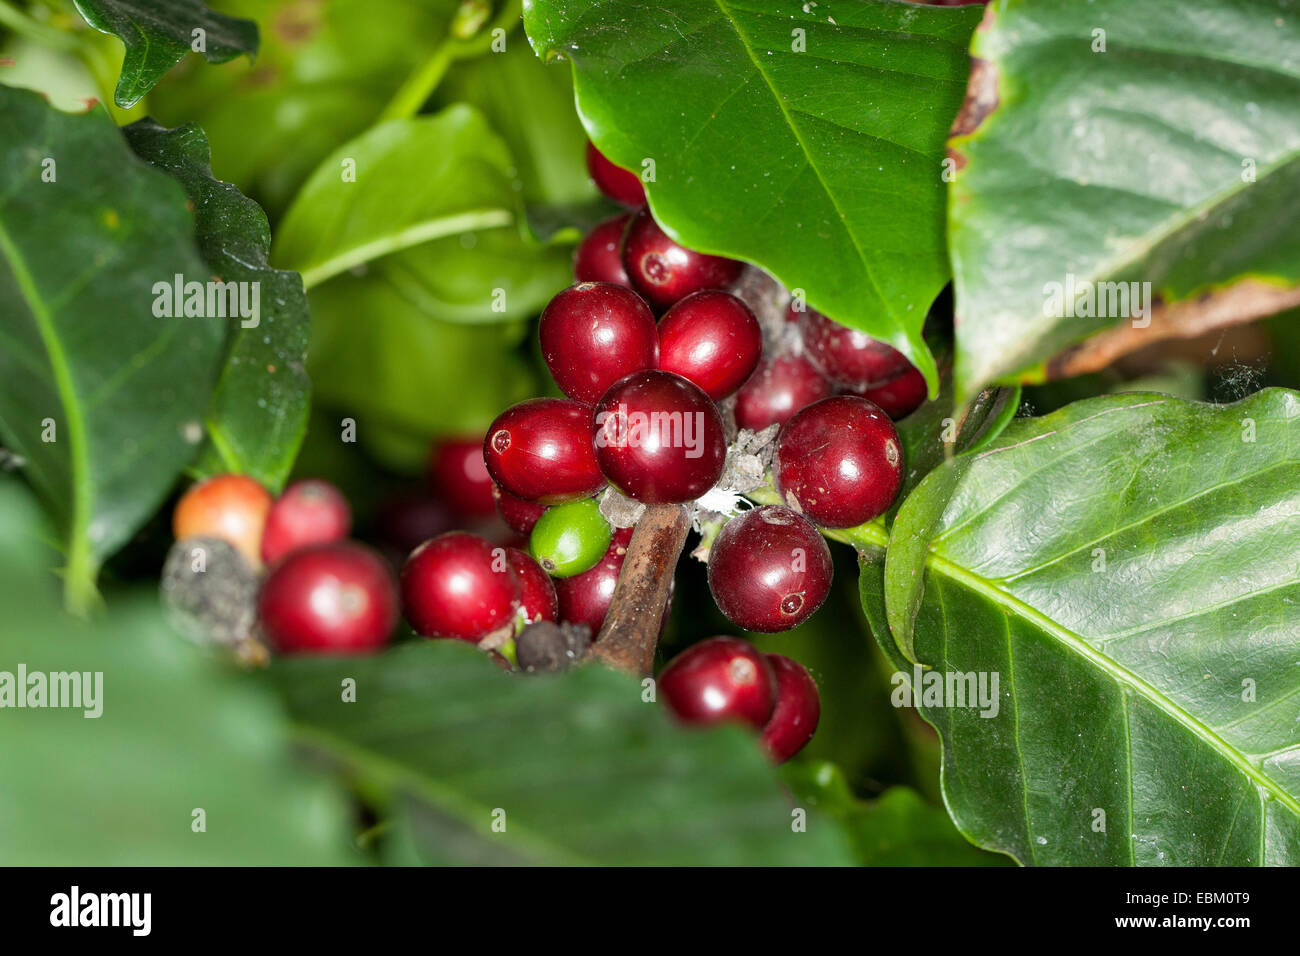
(570, 768)
(1171, 158)
(1127, 569)
(258, 412)
(485, 275)
(102, 398)
(176, 734)
(403, 183)
(158, 33)
(806, 140)
(897, 828)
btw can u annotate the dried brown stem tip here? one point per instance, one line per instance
(1245, 301)
(631, 630)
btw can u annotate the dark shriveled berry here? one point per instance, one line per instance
(659, 439)
(664, 271)
(541, 450)
(335, 598)
(720, 680)
(712, 339)
(594, 333)
(769, 569)
(797, 711)
(209, 591)
(839, 462)
(545, 646)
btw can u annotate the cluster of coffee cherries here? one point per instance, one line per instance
(662, 364)
(665, 370)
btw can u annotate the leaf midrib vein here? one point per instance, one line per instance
(1074, 642)
(425, 230)
(746, 45)
(80, 561)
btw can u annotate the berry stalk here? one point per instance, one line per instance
(631, 630)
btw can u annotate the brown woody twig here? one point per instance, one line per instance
(631, 631)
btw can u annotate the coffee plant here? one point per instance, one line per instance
(596, 432)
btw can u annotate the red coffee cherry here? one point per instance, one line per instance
(519, 514)
(459, 476)
(839, 462)
(541, 450)
(334, 598)
(847, 357)
(899, 397)
(712, 339)
(769, 569)
(797, 711)
(659, 438)
(599, 257)
(312, 511)
(594, 333)
(722, 679)
(619, 184)
(459, 586)
(778, 388)
(230, 507)
(537, 598)
(664, 271)
(585, 598)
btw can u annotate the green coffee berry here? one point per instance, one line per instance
(570, 538)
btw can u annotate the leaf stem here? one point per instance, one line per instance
(410, 236)
(425, 78)
(80, 595)
(873, 534)
(79, 591)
